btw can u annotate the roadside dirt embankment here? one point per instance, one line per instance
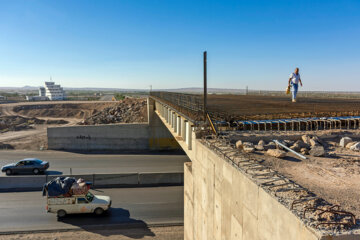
(62, 110)
(129, 110)
(18, 123)
(24, 125)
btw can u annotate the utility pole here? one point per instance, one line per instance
(205, 86)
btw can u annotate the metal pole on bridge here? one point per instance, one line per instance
(205, 86)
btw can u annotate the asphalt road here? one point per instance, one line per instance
(61, 162)
(25, 211)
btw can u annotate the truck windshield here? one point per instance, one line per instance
(89, 196)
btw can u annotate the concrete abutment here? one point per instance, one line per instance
(221, 201)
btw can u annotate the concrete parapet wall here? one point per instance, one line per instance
(29, 183)
(160, 178)
(22, 183)
(126, 179)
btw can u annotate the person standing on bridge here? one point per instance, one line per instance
(294, 80)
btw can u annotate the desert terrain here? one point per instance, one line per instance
(23, 125)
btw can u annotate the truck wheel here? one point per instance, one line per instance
(61, 213)
(36, 171)
(8, 172)
(99, 211)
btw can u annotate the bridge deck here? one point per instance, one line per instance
(250, 107)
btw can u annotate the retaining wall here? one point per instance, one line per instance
(35, 183)
(223, 202)
(100, 137)
(114, 137)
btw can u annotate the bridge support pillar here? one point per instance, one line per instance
(178, 124)
(161, 110)
(183, 128)
(188, 135)
(171, 119)
(169, 116)
(174, 122)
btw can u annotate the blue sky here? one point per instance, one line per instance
(137, 43)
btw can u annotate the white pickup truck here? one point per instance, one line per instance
(88, 203)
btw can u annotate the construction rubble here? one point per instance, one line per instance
(307, 145)
(129, 110)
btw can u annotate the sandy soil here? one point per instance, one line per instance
(158, 233)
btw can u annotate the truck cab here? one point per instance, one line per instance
(88, 203)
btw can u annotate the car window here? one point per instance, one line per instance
(21, 163)
(28, 163)
(37, 161)
(82, 200)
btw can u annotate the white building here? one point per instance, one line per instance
(42, 92)
(53, 91)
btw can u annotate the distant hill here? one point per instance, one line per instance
(188, 90)
(198, 90)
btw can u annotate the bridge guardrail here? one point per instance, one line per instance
(189, 104)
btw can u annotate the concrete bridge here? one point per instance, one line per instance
(227, 196)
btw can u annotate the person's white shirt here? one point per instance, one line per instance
(295, 78)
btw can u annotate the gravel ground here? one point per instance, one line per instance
(334, 177)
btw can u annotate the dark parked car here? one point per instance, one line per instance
(27, 165)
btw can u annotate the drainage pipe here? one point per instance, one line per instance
(289, 149)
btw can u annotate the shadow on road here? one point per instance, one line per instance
(116, 219)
